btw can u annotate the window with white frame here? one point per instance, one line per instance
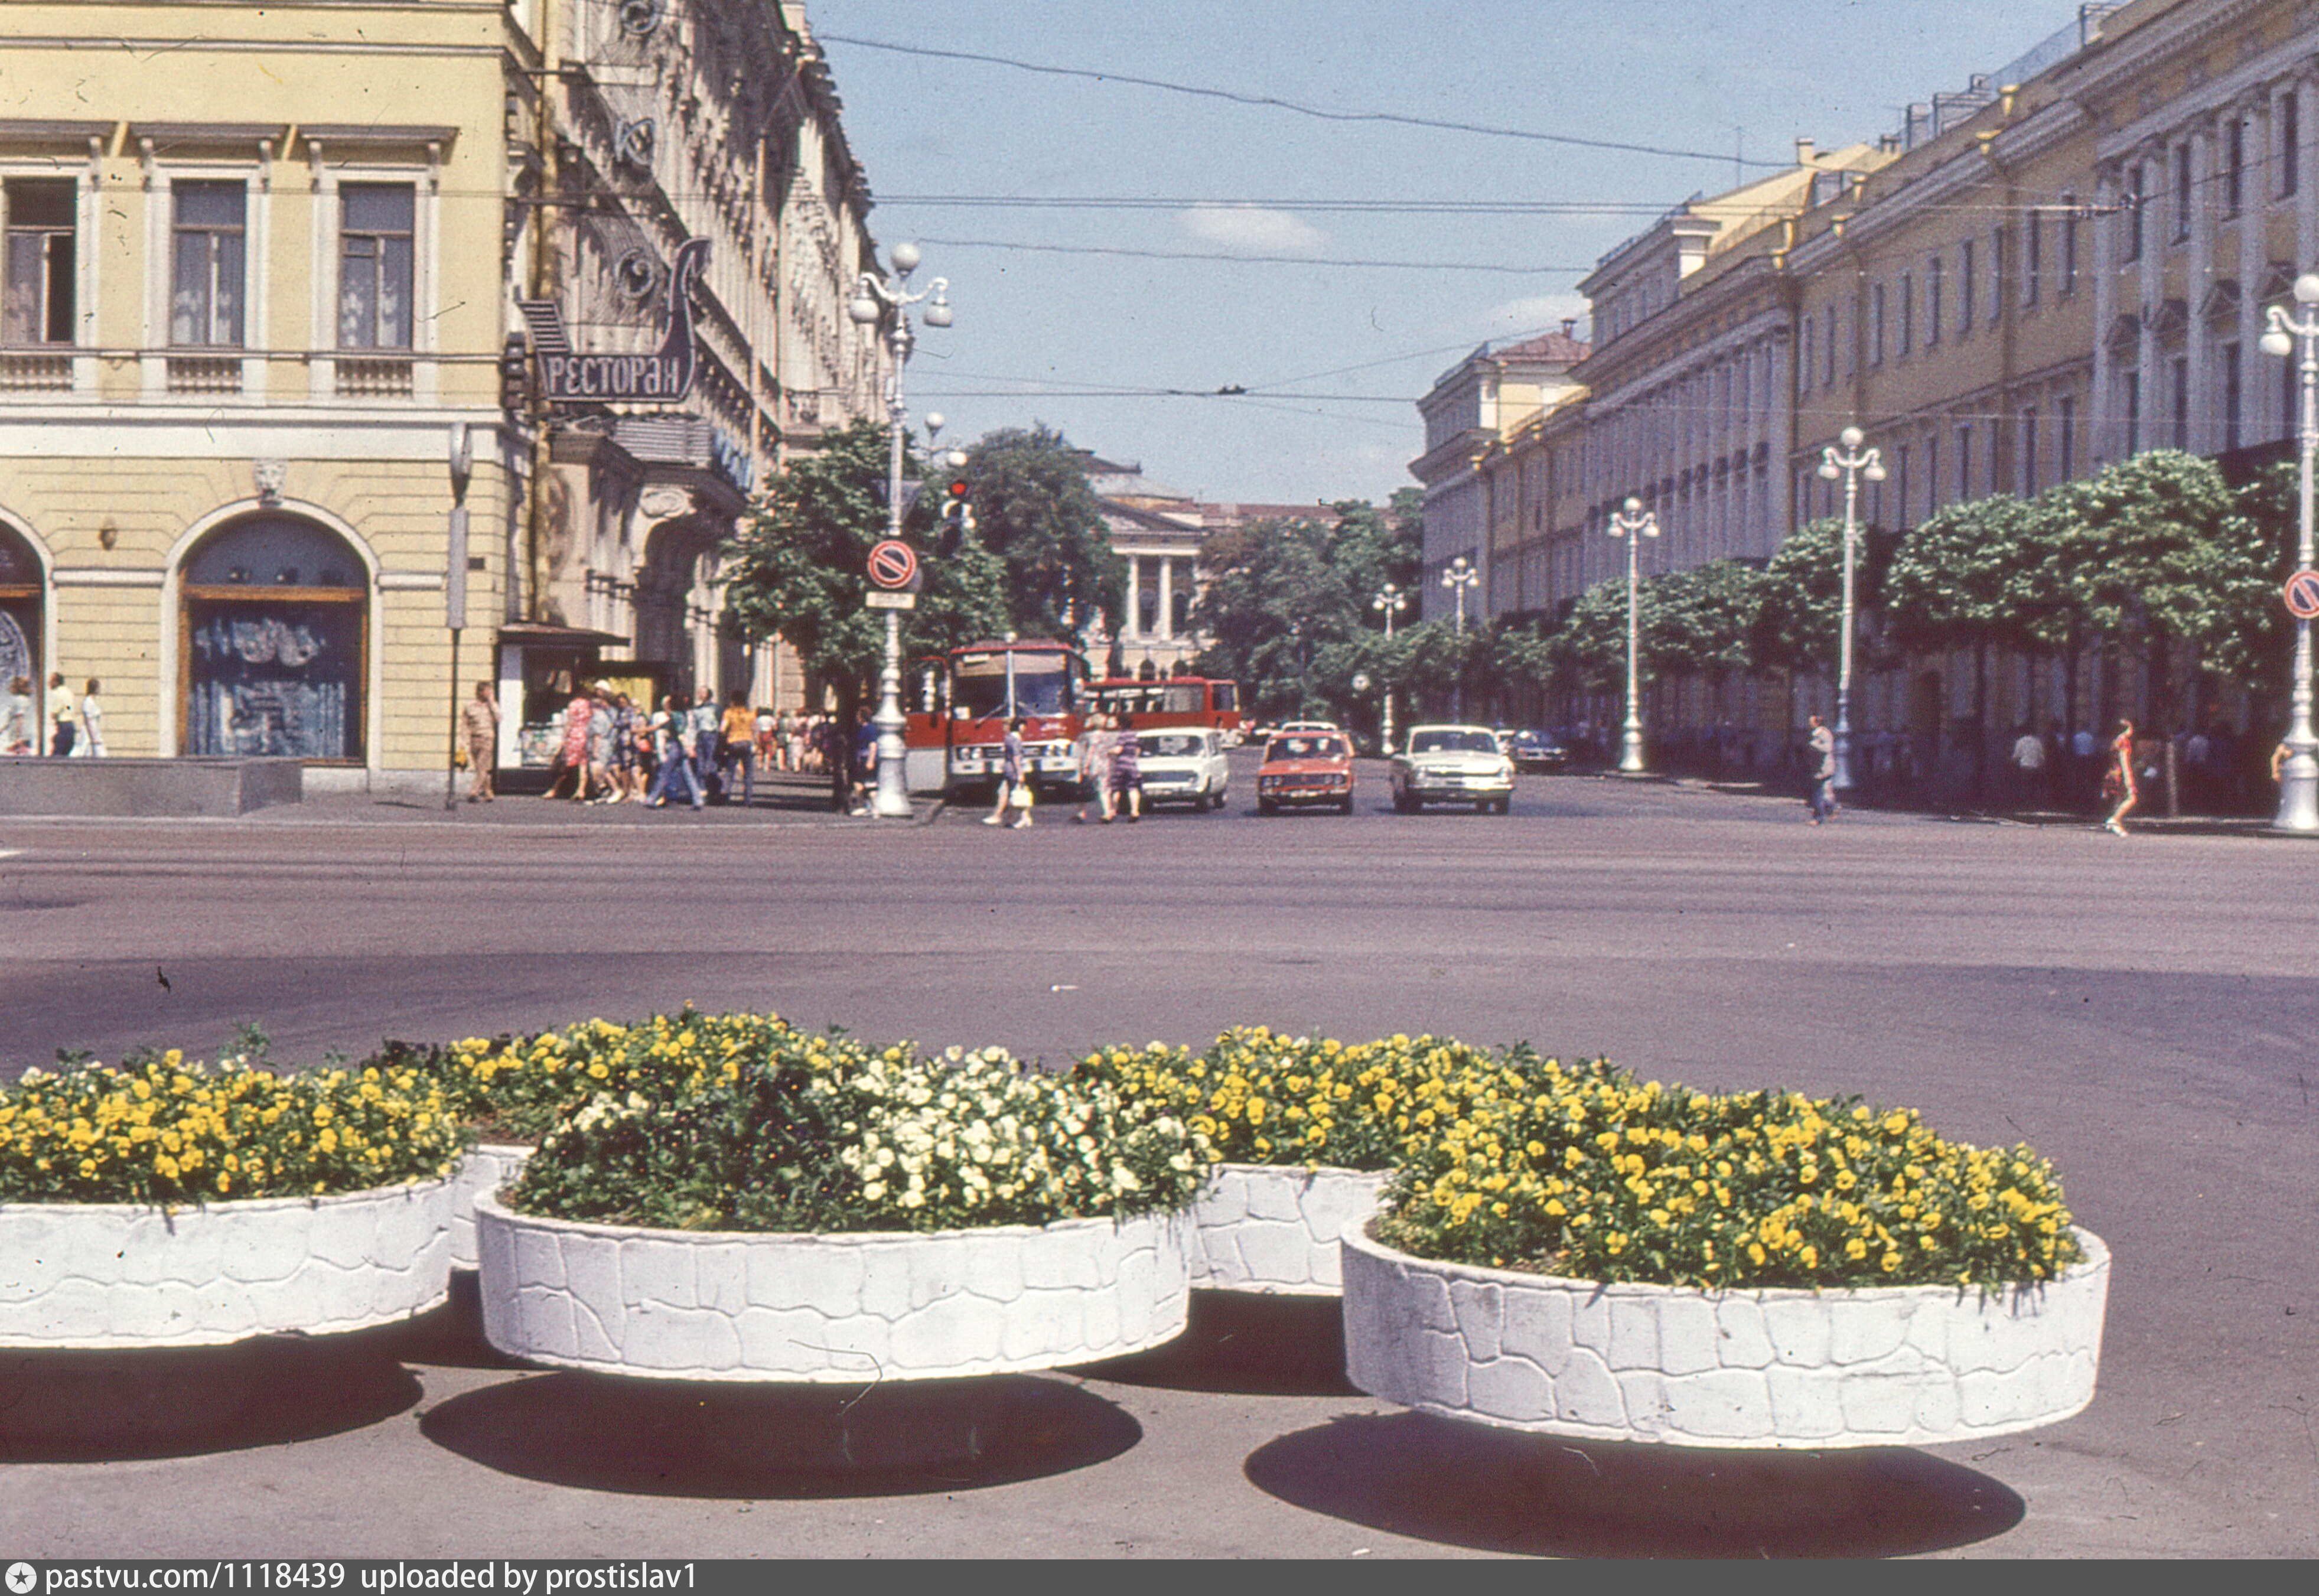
(41, 264)
(377, 224)
(207, 264)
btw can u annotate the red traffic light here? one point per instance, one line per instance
(958, 489)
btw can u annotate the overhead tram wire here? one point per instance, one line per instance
(1227, 258)
(1274, 102)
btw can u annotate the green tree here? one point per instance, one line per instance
(795, 568)
(2159, 557)
(1980, 574)
(1040, 516)
(1288, 611)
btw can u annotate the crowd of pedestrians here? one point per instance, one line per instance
(75, 730)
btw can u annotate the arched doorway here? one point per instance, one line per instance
(21, 636)
(276, 629)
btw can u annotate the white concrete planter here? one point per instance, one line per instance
(91, 1275)
(815, 1308)
(1274, 1230)
(488, 1168)
(1890, 1366)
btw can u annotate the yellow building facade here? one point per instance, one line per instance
(262, 268)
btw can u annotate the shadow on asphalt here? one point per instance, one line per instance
(1239, 1342)
(653, 1437)
(177, 1401)
(452, 1336)
(1499, 1491)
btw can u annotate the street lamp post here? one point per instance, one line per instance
(1460, 576)
(876, 301)
(1851, 463)
(1633, 523)
(2298, 776)
(1389, 602)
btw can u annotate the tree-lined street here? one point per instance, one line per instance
(2142, 1012)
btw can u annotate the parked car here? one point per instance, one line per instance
(1442, 764)
(1183, 765)
(1305, 768)
(1308, 726)
(1535, 751)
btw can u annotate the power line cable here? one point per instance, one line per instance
(1309, 260)
(1276, 103)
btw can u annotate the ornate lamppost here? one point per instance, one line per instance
(1389, 602)
(1458, 578)
(1633, 523)
(2298, 775)
(879, 303)
(1851, 463)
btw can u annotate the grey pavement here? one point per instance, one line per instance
(2142, 1010)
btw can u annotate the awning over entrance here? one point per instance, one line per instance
(541, 634)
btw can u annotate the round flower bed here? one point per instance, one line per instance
(1307, 1130)
(1597, 1257)
(802, 1208)
(173, 1203)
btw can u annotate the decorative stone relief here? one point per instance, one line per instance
(1897, 1367)
(269, 476)
(826, 1309)
(121, 1276)
(663, 503)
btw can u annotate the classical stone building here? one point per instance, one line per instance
(263, 266)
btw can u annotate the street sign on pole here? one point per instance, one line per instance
(2303, 595)
(879, 600)
(893, 564)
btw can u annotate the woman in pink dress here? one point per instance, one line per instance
(572, 757)
(2118, 783)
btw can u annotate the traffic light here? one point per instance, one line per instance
(515, 376)
(957, 517)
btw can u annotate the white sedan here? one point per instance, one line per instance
(1183, 766)
(1452, 764)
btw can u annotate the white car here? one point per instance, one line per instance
(1452, 764)
(1183, 765)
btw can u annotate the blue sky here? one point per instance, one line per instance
(1060, 321)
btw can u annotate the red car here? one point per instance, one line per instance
(1304, 767)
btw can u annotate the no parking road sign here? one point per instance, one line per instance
(893, 564)
(2303, 595)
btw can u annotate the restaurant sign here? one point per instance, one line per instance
(663, 376)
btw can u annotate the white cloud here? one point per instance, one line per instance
(1252, 229)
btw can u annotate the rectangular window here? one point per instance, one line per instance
(1964, 463)
(2032, 253)
(2180, 378)
(2290, 143)
(2233, 166)
(1964, 287)
(377, 220)
(2066, 418)
(1831, 345)
(1907, 314)
(1876, 325)
(2028, 472)
(205, 285)
(2134, 201)
(2132, 413)
(1900, 481)
(2182, 202)
(1931, 302)
(42, 261)
(1804, 362)
(1932, 475)
(2234, 397)
(2069, 244)
(1997, 277)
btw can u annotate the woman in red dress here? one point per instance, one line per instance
(2118, 784)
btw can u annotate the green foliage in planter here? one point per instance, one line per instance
(1591, 1174)
(1263, 1097)
(743, 1124)
(163, 1130)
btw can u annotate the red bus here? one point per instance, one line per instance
(1170, 701)
(964, 699)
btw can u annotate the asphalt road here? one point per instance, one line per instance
(2142, 1011)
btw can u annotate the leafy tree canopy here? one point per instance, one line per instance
(1040, 516)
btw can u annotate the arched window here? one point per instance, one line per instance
(21, 639)
(276, 628)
